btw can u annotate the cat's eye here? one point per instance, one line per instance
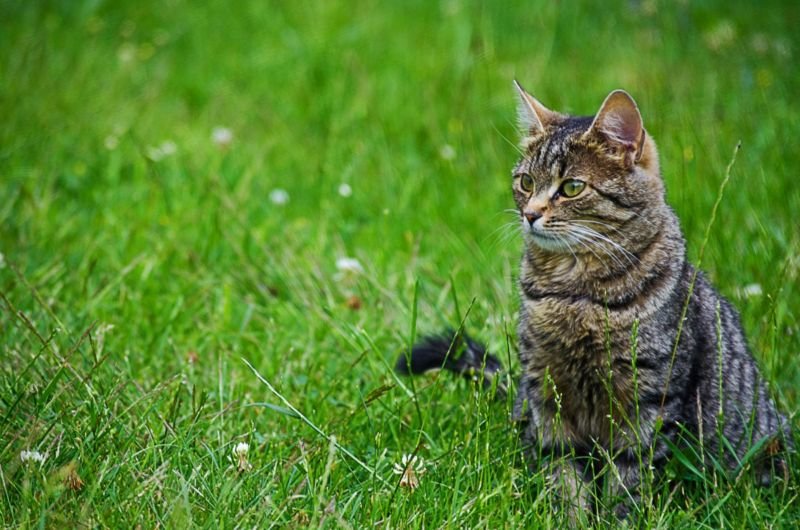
(526, 183)
(571, 187)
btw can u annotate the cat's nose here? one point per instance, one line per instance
(532, 216)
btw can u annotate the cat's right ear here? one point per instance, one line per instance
(533, 116)
(619, 124)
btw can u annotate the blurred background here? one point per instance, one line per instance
(190, 183)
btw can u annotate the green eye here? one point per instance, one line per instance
(526, 183)
(571, 187)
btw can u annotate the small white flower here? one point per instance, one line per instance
(447, 152)
(240, 453)
(241, 449)
(111, 142)
(348, 269)
(169, 148)
(349, 266)
(345, 190)
(753, 289)
(279, 196)
(222, 136)
(153, 153)
(32, 456)
(164, 150)
(411, 467)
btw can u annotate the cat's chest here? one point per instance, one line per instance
(567, 347)
(569, 322)
(565, 340)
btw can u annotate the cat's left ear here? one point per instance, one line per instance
(533, 116)
(619, 123)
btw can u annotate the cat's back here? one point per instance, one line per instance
(724, 390)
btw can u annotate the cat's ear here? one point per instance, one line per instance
(619, 123)
(533, 116)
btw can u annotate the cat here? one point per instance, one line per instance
(625, 348)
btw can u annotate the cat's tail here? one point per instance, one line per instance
(455, 352)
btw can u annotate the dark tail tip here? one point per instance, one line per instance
(430, 353)
(452, 351)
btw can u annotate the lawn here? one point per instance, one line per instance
(184, 187)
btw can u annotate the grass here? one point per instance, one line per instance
(158, 308)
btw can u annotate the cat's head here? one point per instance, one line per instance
(585, 184)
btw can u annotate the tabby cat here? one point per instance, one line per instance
(624, 345)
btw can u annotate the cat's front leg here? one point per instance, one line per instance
(564, 479)
(624, 481)
(638, 456)
(570, 486)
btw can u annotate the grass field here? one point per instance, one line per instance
(178, 180)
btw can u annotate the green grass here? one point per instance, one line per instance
(135, 291)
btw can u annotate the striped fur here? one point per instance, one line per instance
(607, 261)
(598, 266)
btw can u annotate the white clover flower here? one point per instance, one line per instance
(345, 190)
(240, 453)
(348, 269)
(411, 467)
(750, 290)
(167, 148)
(447, 152)
(222, 136)
(32, 456)
(279, 196)
(153, 153)
(241, 449)
(349, 266)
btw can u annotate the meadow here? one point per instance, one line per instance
(221, 222)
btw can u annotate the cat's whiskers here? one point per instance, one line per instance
(585, 230)
(591, 221)
(513, 144)
(503, 234)
(590, 241)
(587, 242)
(562, 232)
(616, 230)
(564, 241)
